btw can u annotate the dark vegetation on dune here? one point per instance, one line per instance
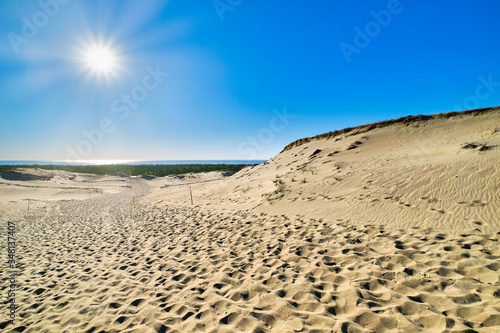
(403, 121)
(134, 170)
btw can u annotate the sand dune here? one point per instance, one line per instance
(404, 175)
(395, 229)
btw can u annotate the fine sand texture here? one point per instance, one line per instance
(393, 229)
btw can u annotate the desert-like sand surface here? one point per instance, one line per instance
(392, 229)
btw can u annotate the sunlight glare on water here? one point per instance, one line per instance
(103, 162)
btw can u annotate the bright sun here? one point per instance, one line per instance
(100, 60)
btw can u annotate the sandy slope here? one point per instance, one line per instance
(397, 234)
(398, 176)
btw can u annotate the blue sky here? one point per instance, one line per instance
(232, 79)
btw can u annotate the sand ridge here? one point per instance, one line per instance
(404, 175)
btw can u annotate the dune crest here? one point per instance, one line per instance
(440, 173)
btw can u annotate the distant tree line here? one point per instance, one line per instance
(158, 170)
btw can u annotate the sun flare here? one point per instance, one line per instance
(100, 60)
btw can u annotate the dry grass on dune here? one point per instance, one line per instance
(349, 131)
